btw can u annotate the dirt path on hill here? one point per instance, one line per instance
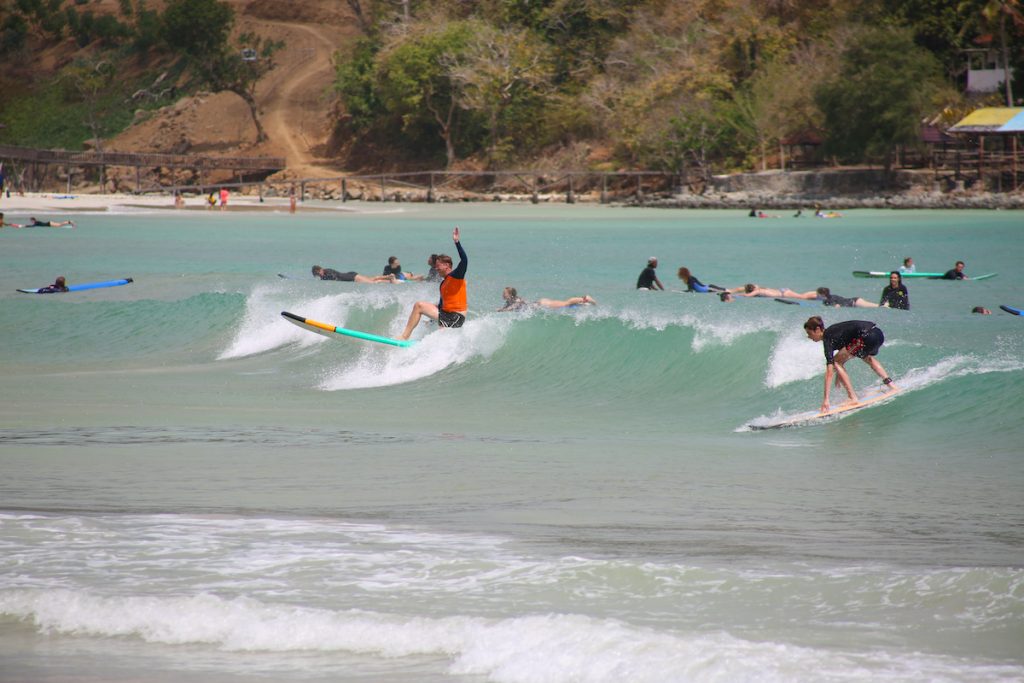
(294, 97)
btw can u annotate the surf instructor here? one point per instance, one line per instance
(843, 341)
(450, 310)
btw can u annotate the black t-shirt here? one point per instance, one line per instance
(897, 297)
(396, 271)
(840, 335)
(646, 279)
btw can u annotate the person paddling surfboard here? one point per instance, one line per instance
(843, 341)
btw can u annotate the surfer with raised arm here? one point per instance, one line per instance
(843, 341)
(451, 308)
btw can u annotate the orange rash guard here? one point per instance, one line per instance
(453, 287)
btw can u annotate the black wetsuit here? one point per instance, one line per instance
(396, 271)
(896, 297)
(332, 274)
(51, 289)
(836, 300)
(860, 337)
(646, 279)
(953, 275)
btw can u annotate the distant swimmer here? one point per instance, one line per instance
(394, 267)
(321, 273)
(895, 294)
(956, 273)
(34, 222)
(981, 310)
(648, 277)
(818, 213)
(695, 285)
(827, 298)
(726, 297)
(59, 285)
(843, 341)
(762, 214)
(451, 308)
(908, 266)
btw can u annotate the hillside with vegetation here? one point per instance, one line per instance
(686, 87)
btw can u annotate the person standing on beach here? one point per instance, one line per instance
(291, 200)
(451, 308)
(648, 278)
(843, 341)
(223, 198)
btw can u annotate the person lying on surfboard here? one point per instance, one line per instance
(843, 341)
(695, 285)
(34, 222)
(59, 285)
(751, 289)
(321, 273)
(514, 302)
(450, 310)
(827, 298)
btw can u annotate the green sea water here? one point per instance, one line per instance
(541, 495)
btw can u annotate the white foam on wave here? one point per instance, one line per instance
(519, 649)
(794, 358)
(381, 366)
(263, 329)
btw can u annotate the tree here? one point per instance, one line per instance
(996, 14)
(90, 79)
(501, 70)
(200, 29)
(415, 80)
(884, 88)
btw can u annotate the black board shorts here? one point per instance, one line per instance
(868, 345)
(450, 319)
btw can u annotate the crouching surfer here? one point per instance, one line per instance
(843, 341)
(450, 310)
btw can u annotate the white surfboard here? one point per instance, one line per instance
(813, 417)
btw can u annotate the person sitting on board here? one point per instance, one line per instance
(451, 308)
(695, 285)
(648, 278)
(395, 268)
(59, 285)
(895, 294)
(321, 273)
(34, 222)
(843, 341)
(981, 310)
(956, 273)
(908, 266)
(829, 299)
(5, 224)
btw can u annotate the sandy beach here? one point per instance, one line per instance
(53, 203)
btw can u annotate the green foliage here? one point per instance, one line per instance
(355, 83)
(13, 32)
(57, 115)
(885, 86)
(197, 28)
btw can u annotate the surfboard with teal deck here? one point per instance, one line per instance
(329, 330)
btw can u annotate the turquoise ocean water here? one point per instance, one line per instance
(193, 489)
